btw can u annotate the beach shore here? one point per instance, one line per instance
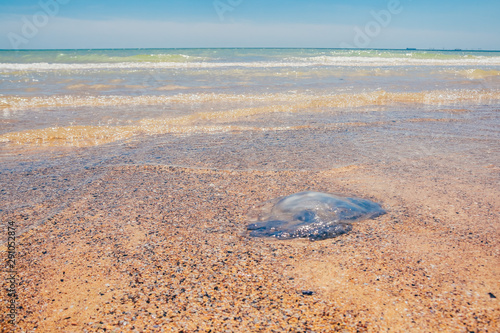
(159, 248)
(128, 177)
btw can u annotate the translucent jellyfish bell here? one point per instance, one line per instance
(312, 215)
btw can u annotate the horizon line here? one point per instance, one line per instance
(255, 47)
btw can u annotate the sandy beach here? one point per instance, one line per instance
(159, 248)
(130, 207)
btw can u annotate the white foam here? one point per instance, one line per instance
(291, 62)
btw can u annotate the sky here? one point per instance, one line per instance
(84, 24)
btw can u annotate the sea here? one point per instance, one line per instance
(92, 97)
(65, 112)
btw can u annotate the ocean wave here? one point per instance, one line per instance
(216, 121)
(304, 101)
(305, 62)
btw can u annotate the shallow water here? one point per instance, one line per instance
(312, 215)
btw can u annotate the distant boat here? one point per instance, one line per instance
(411, 48)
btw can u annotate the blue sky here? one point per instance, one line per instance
(29, 24)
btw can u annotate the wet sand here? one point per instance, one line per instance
(159, 248)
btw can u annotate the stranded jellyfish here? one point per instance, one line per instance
(310, 215)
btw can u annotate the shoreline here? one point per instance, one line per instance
(127, 191)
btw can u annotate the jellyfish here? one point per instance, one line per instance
(311, 215)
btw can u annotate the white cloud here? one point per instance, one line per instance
(74, 33)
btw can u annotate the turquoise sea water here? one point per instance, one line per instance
(138, 72)
(228, 55)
